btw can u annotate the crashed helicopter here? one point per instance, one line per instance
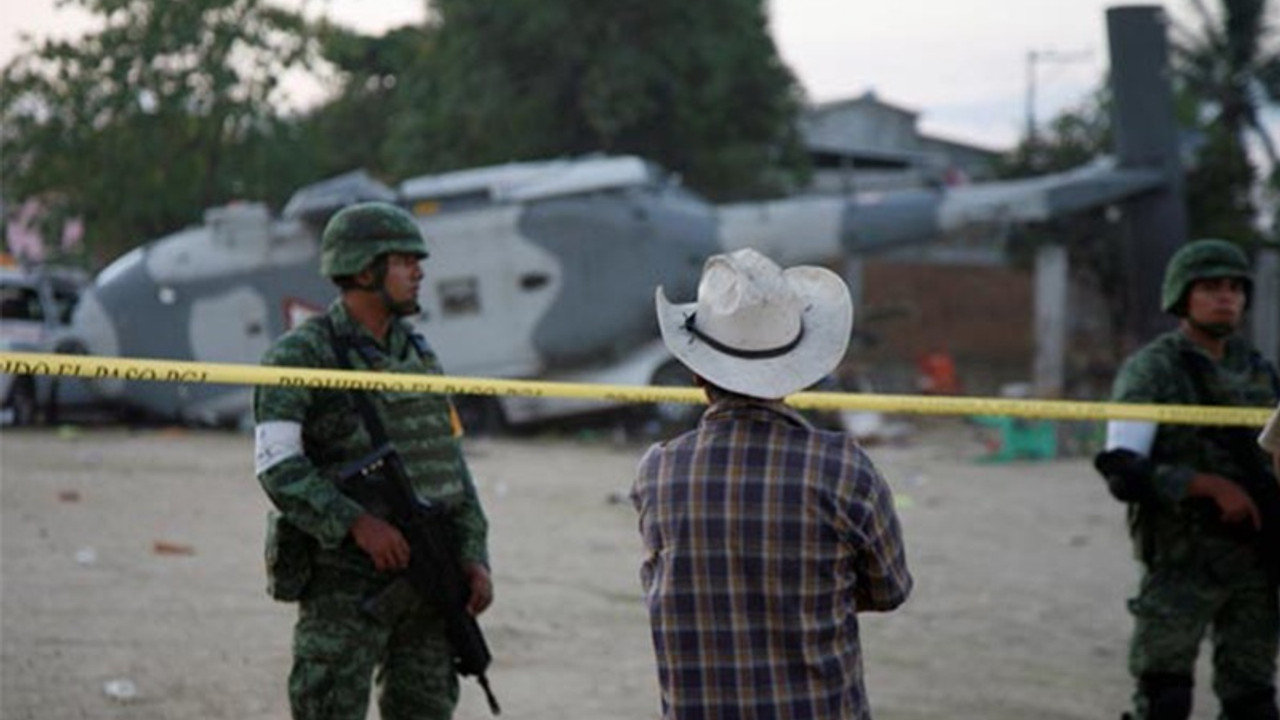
(537, 270)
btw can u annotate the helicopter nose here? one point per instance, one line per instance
(92, 326)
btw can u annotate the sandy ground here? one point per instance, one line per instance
(134, 558)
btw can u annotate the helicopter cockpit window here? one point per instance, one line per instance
(459, 296)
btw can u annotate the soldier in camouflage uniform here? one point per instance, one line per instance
(1195, 528)
(324, 549)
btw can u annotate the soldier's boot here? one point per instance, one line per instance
(1167, 696)
(1259, 705)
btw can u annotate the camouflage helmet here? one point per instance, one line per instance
(358, 234)
(1201, 260)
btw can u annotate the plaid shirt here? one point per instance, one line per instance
(764, 538)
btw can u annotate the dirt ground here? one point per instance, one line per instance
(131, 582)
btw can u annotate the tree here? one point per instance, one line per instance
(351, 130)
(167, 109)
(1072, 138)
(1220, 190)
(1230, 66)
(697, 87)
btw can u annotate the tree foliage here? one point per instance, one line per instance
(354, 128)
(1227, 62)
(1220, 190)
(167, 109)
(172, 107)
(1072, 138)
(697, 87)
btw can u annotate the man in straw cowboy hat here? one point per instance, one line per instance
(764, 535)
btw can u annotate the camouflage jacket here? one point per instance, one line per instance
(418, 424)
(1158, 374)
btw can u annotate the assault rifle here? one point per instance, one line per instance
(1259, 483)
(1128, 475)
(379, 483)
(1258, 480)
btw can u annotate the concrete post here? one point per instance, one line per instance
(1052, 296)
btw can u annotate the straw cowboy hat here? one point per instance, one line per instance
(757, 329)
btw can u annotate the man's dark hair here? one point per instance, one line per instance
(715, 393)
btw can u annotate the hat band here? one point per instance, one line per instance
(689, 324)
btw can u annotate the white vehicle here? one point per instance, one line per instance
(35, 316)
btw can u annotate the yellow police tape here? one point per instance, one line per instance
(197, 372)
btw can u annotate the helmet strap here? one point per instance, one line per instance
(379, 286)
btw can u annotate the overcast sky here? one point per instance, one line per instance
(962, 64)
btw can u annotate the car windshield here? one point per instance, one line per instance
(18, 302)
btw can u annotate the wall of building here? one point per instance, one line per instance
(981, 315)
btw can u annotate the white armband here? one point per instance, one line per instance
(1135, 435)
(275, 442)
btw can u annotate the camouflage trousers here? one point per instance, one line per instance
(1223, 591)
(340, 650)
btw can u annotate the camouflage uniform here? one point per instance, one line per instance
(1195, 575)
(337, 645)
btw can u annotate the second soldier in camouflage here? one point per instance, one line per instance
(1195, 526)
